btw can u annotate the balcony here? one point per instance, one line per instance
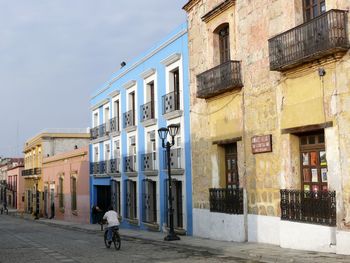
(113, 166)
(321, 36)
(149, 162)
(129, 118)
(175, 159)
(220, 79)
(114, 124)
(98, 168)
(309, 207)
(98, 131)
(226, 200)
(29, 172)
(171, 102)
(130, 164)
(147, 111)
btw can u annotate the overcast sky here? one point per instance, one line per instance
(55, 53)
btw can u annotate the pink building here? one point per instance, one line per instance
(66, 186)
(15, 185)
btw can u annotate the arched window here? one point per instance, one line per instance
(223, 37)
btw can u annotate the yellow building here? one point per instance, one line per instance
(47, 143)
(270, 121)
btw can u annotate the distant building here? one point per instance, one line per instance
(66, 186)
(47, 143)
(6, 189)
(15, 184)
(128, 165)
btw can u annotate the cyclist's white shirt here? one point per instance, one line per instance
(112, 218)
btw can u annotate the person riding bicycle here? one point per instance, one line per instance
(111, 217)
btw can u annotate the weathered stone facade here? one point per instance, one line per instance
(271, 102)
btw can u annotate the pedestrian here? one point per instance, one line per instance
(5, 207)
(95, 214)
(52, 210)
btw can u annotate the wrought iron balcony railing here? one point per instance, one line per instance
(171, 102)
(309, 207)
(129, 118)
(175, 159)
(147, 111)
(114, 124)
(114, 166)
(323, 35)
(219, 79)
(29, 172)
(149, 162)
(130, 163)
(98, 167)
(226, 200)
(98, 131)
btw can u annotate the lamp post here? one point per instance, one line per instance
(172, 129)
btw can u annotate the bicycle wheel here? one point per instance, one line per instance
(105, 239)
(116, 240)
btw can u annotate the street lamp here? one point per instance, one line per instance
(172, 129)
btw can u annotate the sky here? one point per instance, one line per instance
(54, 54)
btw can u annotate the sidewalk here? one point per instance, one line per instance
(251, 251)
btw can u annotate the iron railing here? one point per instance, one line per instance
(177, 203)
(149, 162)
(171, 102)
(129, 118)
(323, 35)
(226, 200)
(98, 167)
(114, 124)
(114, 166)
(149, 202)
(130, 163)
(34, 171)
(175, 159)
(219, 79)
(147, 111)
(309, 206)
(98, 131)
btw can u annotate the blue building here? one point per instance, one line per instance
(128, 164)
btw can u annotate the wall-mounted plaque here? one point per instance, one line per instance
(262, 144)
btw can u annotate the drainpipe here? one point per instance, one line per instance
(245, 197)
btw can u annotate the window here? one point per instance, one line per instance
(223, 37)
(131, 200)
(150, 95)
(115, 122)
(177, 203)
(96, 153)
(60, 193)
(175, 87)
(73, 184)
(313, 8)
(231, 170)
(116, 150)
(116, 196)
(313, 162)
(149, 201)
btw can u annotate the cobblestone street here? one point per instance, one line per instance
(26, 241)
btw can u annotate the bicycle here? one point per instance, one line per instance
(116, 240)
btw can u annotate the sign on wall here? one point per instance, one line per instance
(262, 144)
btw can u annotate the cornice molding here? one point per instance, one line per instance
(129, 84)
(96, 106)
(147, 73)
(171, 59)
(114, 93)
(190, 4)
(217, 10)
